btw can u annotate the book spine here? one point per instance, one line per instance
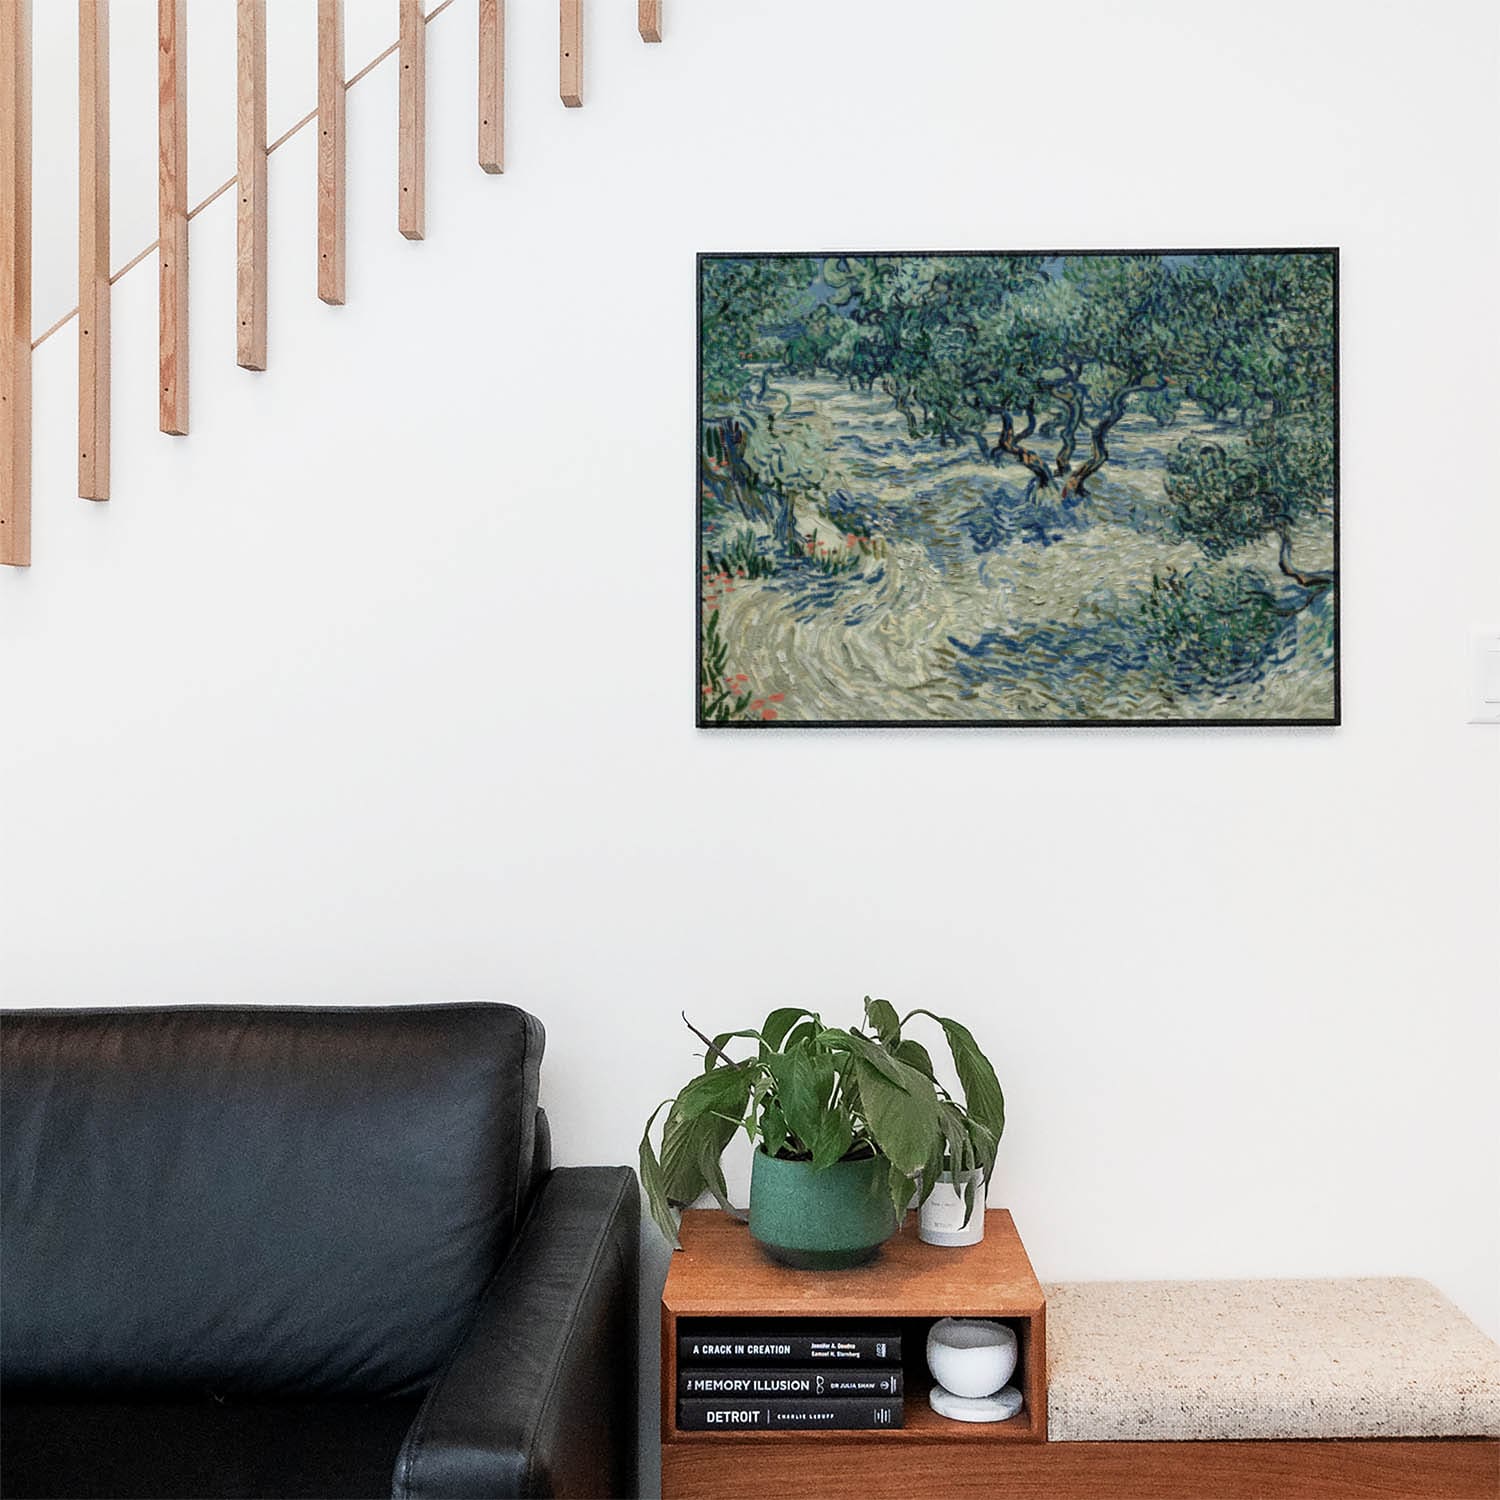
(846, 1413)
(819, 1382)
(795, 1349)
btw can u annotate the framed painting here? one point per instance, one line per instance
(1063, 488)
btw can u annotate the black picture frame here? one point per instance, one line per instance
(1333, 720)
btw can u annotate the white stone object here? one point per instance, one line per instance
(971, 1356)
(1003, 1405)
(940, 1220)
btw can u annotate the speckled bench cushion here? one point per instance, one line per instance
(1162, 1360)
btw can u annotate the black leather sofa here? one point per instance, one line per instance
(304, 1252)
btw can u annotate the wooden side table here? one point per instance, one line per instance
(721, 1273)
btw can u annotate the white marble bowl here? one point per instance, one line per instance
(971, 1356)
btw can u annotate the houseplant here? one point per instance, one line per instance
(846, 1125)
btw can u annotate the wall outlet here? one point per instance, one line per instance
(1484, 689)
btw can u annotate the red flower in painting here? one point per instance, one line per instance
(777, 697)
(770, 713)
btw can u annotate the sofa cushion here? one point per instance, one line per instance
(256, 1201)
(1153, 1360)
(324, 1450)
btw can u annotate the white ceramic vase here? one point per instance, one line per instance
(940, 1220)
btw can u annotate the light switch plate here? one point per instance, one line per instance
(1484, 682)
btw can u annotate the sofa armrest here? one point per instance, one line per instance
(540, 1398)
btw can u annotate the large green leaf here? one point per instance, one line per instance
(778, 1023)
(723, 1091)
(762, 1088)
(773, 1128)
(849, 1097)
(900, 1186)
(682, 1177)
(654, 1183)
(700, 1125)
(803, 1031)
(957, 1147)
(985, 1146)
(982, 1095)
(882, 1018)
(902, 1117)
(932, 1169)
(970, 1147)
(834, 1136)
(804, 1087)
(914, 1055)
(870, 1052)
(690, 1155)
(709, 1151)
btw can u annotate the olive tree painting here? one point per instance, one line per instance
(1018, 489)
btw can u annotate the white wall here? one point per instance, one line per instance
(377, 686)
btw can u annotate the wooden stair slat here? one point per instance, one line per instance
(412, 148)
(492, 85)
(94, 397)
(331, 151)
(251, 222)
(570, 52)
(172, 214)
(15, 282)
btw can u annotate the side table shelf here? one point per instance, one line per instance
(722, 1274)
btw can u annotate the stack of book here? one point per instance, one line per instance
(822, 1377)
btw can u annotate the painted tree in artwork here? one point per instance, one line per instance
(1263, 342)
(751, 458)
(1272, 345)
(1128, 342)
(998, 351)
(953, 341)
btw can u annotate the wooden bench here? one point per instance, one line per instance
(1265, 1388)
(1228, 1390)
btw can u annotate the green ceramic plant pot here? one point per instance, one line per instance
(821, 1221)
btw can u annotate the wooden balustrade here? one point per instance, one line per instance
(252, 153)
